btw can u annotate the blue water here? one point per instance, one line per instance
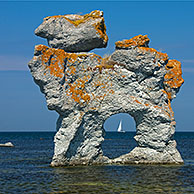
(25, 168)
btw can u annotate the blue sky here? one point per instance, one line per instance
(169, 25)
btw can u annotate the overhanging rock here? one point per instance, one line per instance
(74, 33)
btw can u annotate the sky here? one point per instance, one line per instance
(169, 25)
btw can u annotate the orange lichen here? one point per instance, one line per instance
(138, 101)
(79, 18)
(111, 91)
(72, 70)
(170, 108)
(101, 30)
(157, 107)
(76, 20)
(158, 55)
(141, 42)
(165, 109)
(173, 77)
(169, 103)
(136, 41)
(77, 90)
(135, 99)
(53, 59)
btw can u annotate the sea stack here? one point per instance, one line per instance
(86, 89)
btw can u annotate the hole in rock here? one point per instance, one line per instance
(119, 137)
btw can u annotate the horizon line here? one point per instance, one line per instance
(56, 131)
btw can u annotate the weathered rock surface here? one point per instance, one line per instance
(74, 33)
(86, 89)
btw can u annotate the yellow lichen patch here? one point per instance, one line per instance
(78, 19)
(158, 55)
(138, 101)
(77, 90)
(111, 91)
(53, 59)
(165, 109)
(155, 106)
(71, 71)
(169, 103)
(101, 30)
(137, 41)
(135, 99)
(173, 77)
(141, 42)
(170, 108)
(97, 83)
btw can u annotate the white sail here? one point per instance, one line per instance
(120, 127)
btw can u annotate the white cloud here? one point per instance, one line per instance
(188, 65)
(188, 70)
(188, 60)
(13, 62)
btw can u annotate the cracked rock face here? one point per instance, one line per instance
(86, 89)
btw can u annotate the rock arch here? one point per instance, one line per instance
(85, 89)
(112, 123)
(116, 143)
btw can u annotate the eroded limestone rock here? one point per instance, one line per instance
(137, 41)
(74, 33)
(86, 89)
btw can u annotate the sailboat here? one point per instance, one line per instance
(120, 128)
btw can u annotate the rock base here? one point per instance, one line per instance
(138, 155)
(149, 156)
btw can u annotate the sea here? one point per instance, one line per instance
(25, 168)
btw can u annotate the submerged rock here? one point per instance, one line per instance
(74, 33)
(86, 89)
(8, 144)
